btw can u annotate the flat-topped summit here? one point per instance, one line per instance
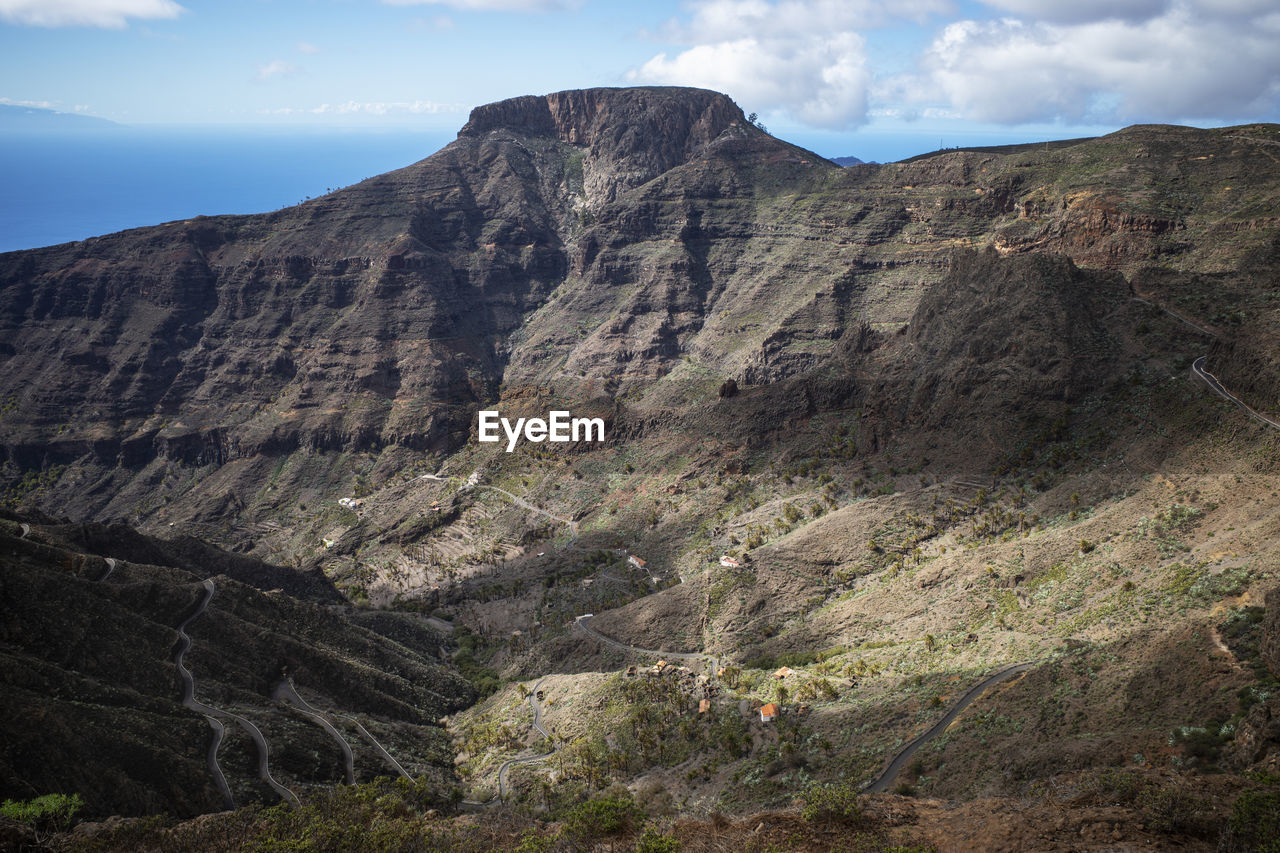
(589, 116)
(628, 136)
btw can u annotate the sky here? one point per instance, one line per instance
(811, 69)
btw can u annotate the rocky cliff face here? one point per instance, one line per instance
(626, 137)
(600, 245)
(378, 315)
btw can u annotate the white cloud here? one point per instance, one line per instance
(1190, 61)
(43, 105)
(728, 20)
(1095, 61)
(805, 58)
(307, 47)
(275, 68)
(112, 14)
(822, 81)
(493, 5)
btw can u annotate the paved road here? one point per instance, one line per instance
(1197, 367)
(373, 741)
(1175, 315)
(1209, 379)
(582, 623)
(209, 712)
(528, 759)
(26, 531)
(364, 733)
(189, 701)
(505, 767)
(111, 567)
(881, 783)
(284, 690)
(573, 525)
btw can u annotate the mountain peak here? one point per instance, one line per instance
(581, 116)
(630, 135)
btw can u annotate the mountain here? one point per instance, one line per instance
(847, 161)
(873, 436)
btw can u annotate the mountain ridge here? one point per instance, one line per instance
(890, 428)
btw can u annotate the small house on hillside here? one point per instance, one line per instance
(768, 712)
(636, 561)
(783, 672)
(704, 706)
(730, 562)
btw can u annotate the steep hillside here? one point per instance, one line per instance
(946, 454)
(93, 699)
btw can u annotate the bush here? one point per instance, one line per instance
(831, 803)
(597, 818)
(383, 815)
(1254, 824)
(653, 841)
(50, 813)
(532, 842)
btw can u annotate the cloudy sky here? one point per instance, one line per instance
(816, 66)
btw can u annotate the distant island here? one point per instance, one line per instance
(16, 117)
(847, 161)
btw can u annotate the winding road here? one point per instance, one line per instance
(189, 701)
(1197, 367)
(1216, 387)
(582, 623)
(373, 741)
(518, 501)
(284, 690)
(111, 567)
(528, 759)
(882, 782)
(573, 525)
(505, 767)
(209, 712)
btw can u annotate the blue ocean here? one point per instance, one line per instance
(56, 187)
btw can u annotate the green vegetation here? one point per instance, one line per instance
(601, 817)
(651, 722)
(383, 815)
(653, 841)
(1166, 805)
(832, 803)
(47, 814)
(1254, 824)
(472, 650)
(792, 659)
